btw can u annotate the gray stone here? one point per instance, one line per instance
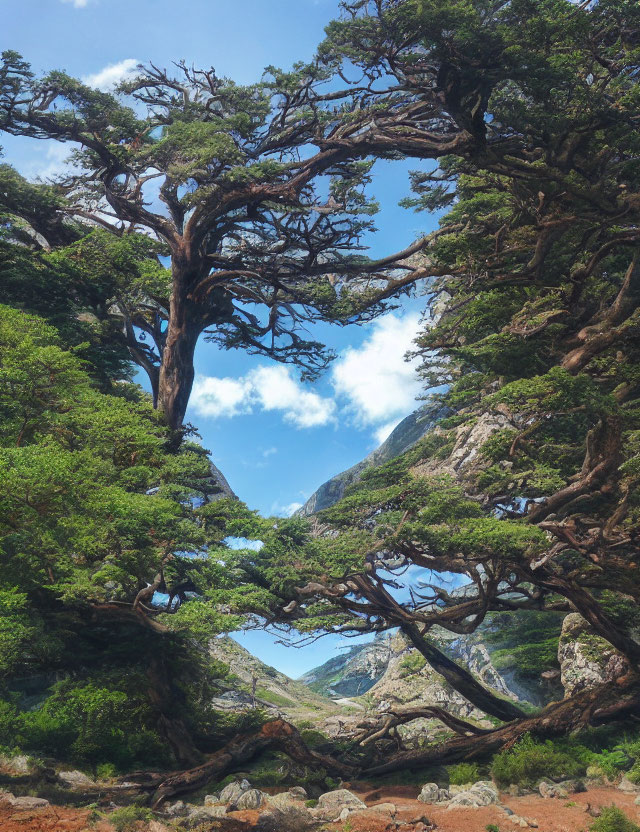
(251, 799)
(340, 799)
(74, 779)
(627, 786)
(179, 809)
(211, 799)
(232, 792)
(292, 819)
(29, 802)
(299, 792)
(586, 660)
(217, 811)
(385, 808)
(18, 764)
(431, 793)
(482, 793)
(549, 790)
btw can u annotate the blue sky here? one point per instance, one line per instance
(275, 439)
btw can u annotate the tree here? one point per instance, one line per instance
(529, 489)
(95, 517)
(255, 249)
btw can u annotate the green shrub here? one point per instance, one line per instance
(463, 773)
(528, 761)
(413, 663)
(311, 804)
(124, 819)
(105, 771)
(613, 820)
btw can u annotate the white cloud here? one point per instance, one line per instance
(265, 388)
(269, 452)
(49, 161)
(77, 4)
(109, 77)
(285, 511)
(379, 385)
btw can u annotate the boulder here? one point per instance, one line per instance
(29, 802)
(385, 809)
(482, 793)
(213, 811)
(625, 785)
(550, 790)
(211, 799)
(299, 792)
(290, 819)
(156, 826)
(432, 793)
(282, 800)
(74, 779)
(251, 799)
(573, 786)
(340, 799)
(586, 660)
(232, 792)
(179, 809)
(17, 764)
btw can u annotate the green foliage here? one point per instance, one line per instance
(463, 773)
(125, 819)
(613, 819)
(529, 761)
(411, 664)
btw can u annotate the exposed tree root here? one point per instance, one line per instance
(605, 703)
(590, 707)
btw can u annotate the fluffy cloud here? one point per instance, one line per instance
(380, 387)
(77, 4)
(109, 77)
(265, 388)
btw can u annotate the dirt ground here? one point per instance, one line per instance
(551, 815)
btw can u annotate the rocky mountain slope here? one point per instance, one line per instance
(253, 683)
(403, 436)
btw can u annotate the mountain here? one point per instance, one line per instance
(251, 681)
(401, 438)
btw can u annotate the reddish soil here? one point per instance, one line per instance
(551, 815)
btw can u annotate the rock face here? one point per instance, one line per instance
(403, 436)
(586, 660)
(353, 672)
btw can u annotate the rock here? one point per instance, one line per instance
(283, 800)
(637, 800)
(432, 793)
(549, 790)
(482, 793)
(573, 786)
(29, 802)
(625, 785)
(299, 792)
(251, 799)
(232, 792)
(344, 814)
(385, 808)
(586, 660)
(211, 799)
(518, 821)
(179, 809)
(75, 779)
(514, 790)
(340, 799)
(218, 811)
(292, 819)
(156, 826)
(18, 764)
